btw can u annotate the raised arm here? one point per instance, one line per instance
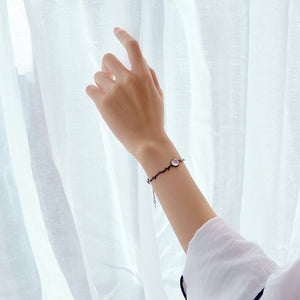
(131, 104)
(180, 197)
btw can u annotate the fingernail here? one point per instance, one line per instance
(116, 28)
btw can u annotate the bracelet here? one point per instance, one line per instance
(173, 163)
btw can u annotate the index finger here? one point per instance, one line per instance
(132, 47)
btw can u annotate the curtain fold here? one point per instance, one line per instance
(77, 219)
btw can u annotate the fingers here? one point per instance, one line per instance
(132, 47)
(104, 84)
(103, 80)
(93, 92)
(112, 64)
(105, 69)
(155, 80)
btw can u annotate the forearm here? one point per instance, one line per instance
(181, 199)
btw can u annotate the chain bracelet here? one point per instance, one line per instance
(173, 163)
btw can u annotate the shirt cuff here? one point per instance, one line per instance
(221, 264)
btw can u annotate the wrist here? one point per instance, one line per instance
(152, 146)
(155, 155)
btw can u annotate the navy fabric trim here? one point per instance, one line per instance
(259, 295)
(182, 288)
(184, 294)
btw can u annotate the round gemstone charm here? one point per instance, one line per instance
(175, 162)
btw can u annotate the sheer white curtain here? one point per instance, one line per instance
(77, 219)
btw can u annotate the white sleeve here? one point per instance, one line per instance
(221, 264)
(284, 283)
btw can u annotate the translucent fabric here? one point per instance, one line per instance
(77, 219)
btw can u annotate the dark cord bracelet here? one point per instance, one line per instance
(173, 163)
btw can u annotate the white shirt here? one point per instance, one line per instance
(222, 265)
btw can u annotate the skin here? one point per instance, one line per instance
(131, 104)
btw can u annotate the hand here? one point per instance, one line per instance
(131, 104)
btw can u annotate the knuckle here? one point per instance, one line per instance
(144, 75)
(88, 89)
(152, 70)
(97, 74)
(113, 89)
(107, 56)
(133, 44)
(131, 79)
(145, 71)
